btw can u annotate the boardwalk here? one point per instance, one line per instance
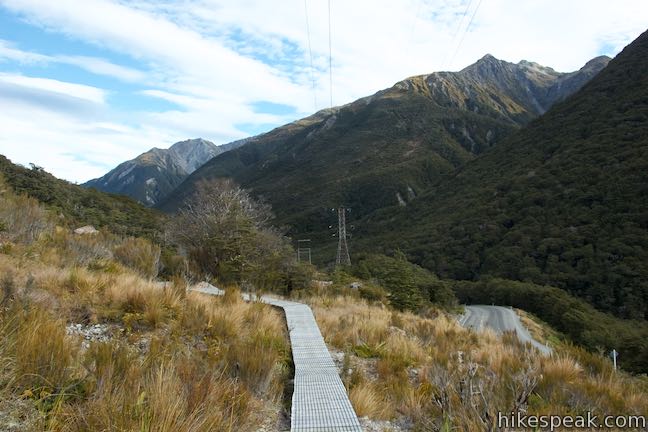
(319, 402)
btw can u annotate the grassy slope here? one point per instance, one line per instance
(76, 206)
(572, 316)
(162, 360)
(178, 362)
(417, 371)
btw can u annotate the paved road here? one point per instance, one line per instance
(500, 319)
(319, 402)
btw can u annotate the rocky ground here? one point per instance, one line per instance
(90, 333)
(18, 415)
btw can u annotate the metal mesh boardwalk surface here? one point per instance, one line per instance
(319, 402)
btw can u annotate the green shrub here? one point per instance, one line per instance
(373, 293)
(409, 286)
(77, 206)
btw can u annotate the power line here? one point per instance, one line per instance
(465, 31)
(456, 32)
(310, 54)
(418, 11)
(330, 54)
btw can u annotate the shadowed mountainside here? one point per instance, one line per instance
(563, 202)
(387, 148)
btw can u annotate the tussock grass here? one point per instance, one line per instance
(367, 402)
(44, 356)
(190, 362)
(140, 255)
(421, 370)
(182, 362)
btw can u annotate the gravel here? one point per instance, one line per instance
(89, 333)
(369, 425)
(18, 415)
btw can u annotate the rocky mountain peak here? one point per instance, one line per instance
(488, 58)
(537, 68)
(597, 63)
(192, 153)
(154, 174)
(486, 67)
(186, 146)
(425, 125)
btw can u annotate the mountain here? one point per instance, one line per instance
(387, 148)
(562, 202)
(76, 206)
(151, 176)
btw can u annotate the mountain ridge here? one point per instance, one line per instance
(381, 149)
(562, 202)
(152, 175)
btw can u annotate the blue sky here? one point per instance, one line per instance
(87, 84)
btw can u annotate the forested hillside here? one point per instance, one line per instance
(387, 148)
(76, 206)
(564, 202)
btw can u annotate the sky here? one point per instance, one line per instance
(88, 84)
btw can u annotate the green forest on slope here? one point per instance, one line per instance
(556, 213)
(76, 206)
(564, 202)
(387, 148)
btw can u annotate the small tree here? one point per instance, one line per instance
(227, 234)
(400, 279)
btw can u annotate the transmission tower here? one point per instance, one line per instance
(343, 257)
(303, 249)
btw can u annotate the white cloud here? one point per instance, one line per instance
(208, 116)
(102, 67)
(79, 91)
(8, 52)
(215, 58)
(72, 146)
(95, 65)
(180, 51)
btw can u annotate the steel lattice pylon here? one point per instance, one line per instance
(343, 257)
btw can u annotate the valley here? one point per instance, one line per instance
(462, 245)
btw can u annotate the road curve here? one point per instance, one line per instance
(500, 319)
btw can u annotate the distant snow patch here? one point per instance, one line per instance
(410, 193)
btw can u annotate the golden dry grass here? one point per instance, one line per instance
(420, 369)
(208, 364)
(190, 362)
(367, 402)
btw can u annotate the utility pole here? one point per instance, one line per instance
(303, 248)
(614, 354)
(343, 257)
